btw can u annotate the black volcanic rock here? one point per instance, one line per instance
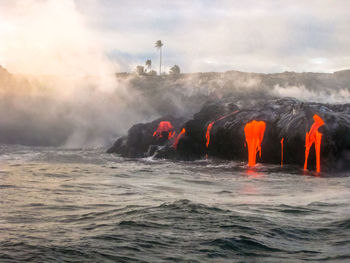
(285, 118)
(140, 141)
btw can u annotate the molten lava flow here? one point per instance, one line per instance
(181, 134)
(282, 152)
(314, 136)
(207, 135)
(164, 126)
(171, 135)
(254, 134)
(210, 126)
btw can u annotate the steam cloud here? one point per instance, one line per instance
(64, 91)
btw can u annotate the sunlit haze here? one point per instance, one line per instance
(102, 35)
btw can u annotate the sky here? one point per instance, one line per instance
(198, 35)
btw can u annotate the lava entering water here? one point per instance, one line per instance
(254, 134)
(314, 136)
(282, 152)
(164, 126)
(210, 126)
(207, 135)
(181, 134)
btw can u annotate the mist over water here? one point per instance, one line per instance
(61, 89)
(71, 112)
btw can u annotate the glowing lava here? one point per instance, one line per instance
(314, 136)
(181, 134)
(282, 152)
(207, 135)
(164, 126)
(210, 126)
(254, 134)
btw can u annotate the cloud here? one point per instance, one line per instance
(49, 37)
(264, 36)
(200, 35)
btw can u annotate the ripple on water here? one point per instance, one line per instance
(78, 206)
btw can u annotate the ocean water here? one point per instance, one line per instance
(59, 205)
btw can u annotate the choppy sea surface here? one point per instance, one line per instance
(59, 205)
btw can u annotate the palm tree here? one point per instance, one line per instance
(149, 64)
(159, 45)
(175, 70)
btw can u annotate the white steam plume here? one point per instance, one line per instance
(68, 93)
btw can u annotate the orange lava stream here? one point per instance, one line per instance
(171, 135)
(210, 126)
(164, 126)
(254, 134)
(282, 152)
(207, 135)
(314, 136)
(181, 134)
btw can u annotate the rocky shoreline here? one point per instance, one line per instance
(217, 130)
